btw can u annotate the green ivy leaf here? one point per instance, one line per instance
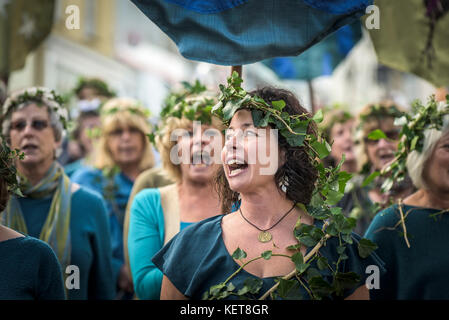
(278, 105)
(322, 263)
(366, 247)
(333, 197)
(413, 143)
(318, 116)
(267, 254)
(251, 285)
(345, 281)
(370, 178)
(377, 135)
(239, 254)
(288, 289)
(320, 287)
(323, 148)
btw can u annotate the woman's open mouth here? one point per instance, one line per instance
(236, 167)
(29, 147)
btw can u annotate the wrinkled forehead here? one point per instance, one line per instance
(30, 111)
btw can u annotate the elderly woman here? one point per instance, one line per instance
(158, 214)
(72, 220)
(412, 235)
(362, 202)
(256, 244)
(337, 128)
(29, 268)
(123, 152)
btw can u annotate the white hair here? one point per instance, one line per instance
(416, 160)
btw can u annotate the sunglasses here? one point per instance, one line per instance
(120, 131)
(392, 135)
(38, 125)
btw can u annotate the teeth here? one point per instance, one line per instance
(236, 171)
(234, 161)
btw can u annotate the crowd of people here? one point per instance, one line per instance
(88, 214)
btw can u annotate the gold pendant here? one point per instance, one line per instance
(265, 236)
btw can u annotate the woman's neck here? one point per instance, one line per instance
(428, 199)
(265, 207)
(197, 201)
(34, 173)
(131, 171)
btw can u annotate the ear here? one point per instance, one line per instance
(282, 157)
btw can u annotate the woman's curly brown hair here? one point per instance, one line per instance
(298, 169)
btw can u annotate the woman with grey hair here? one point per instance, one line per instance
(72, 220)
(412, 235)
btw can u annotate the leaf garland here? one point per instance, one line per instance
(329, 190)
(411, 137)
(41, 96)
(188, 103)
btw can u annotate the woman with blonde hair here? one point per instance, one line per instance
(190, 143)
(122, 153)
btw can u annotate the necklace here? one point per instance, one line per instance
(265, 236)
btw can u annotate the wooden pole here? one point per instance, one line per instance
(311, 93)
(239, 70)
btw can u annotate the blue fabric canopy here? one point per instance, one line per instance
(319, 60)
(246, 31)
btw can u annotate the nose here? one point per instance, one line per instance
(383, 143)
(28, 130)
(197, 138)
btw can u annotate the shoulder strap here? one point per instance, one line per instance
(170, 208)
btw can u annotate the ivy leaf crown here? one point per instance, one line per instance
(193, 102)
(411, 137)
(99, 85)
(291, 126)
(41, 96)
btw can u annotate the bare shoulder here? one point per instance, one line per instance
(8, 234)
(75, 187)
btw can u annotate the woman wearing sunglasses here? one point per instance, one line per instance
(72, 220)
(373, 155)
(122, 153)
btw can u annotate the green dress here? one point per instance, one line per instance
(418, 272)
(197, 258)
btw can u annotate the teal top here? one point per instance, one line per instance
(197, 258)
(145, 238)
(29, 270)
(74, 166)
(115, 192)
(90, 241)
(418, 272)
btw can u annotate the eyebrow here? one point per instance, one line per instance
(245, 125)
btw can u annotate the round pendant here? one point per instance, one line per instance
(264, 236)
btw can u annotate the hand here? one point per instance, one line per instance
(124, 280)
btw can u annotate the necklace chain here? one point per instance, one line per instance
(241, 213)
